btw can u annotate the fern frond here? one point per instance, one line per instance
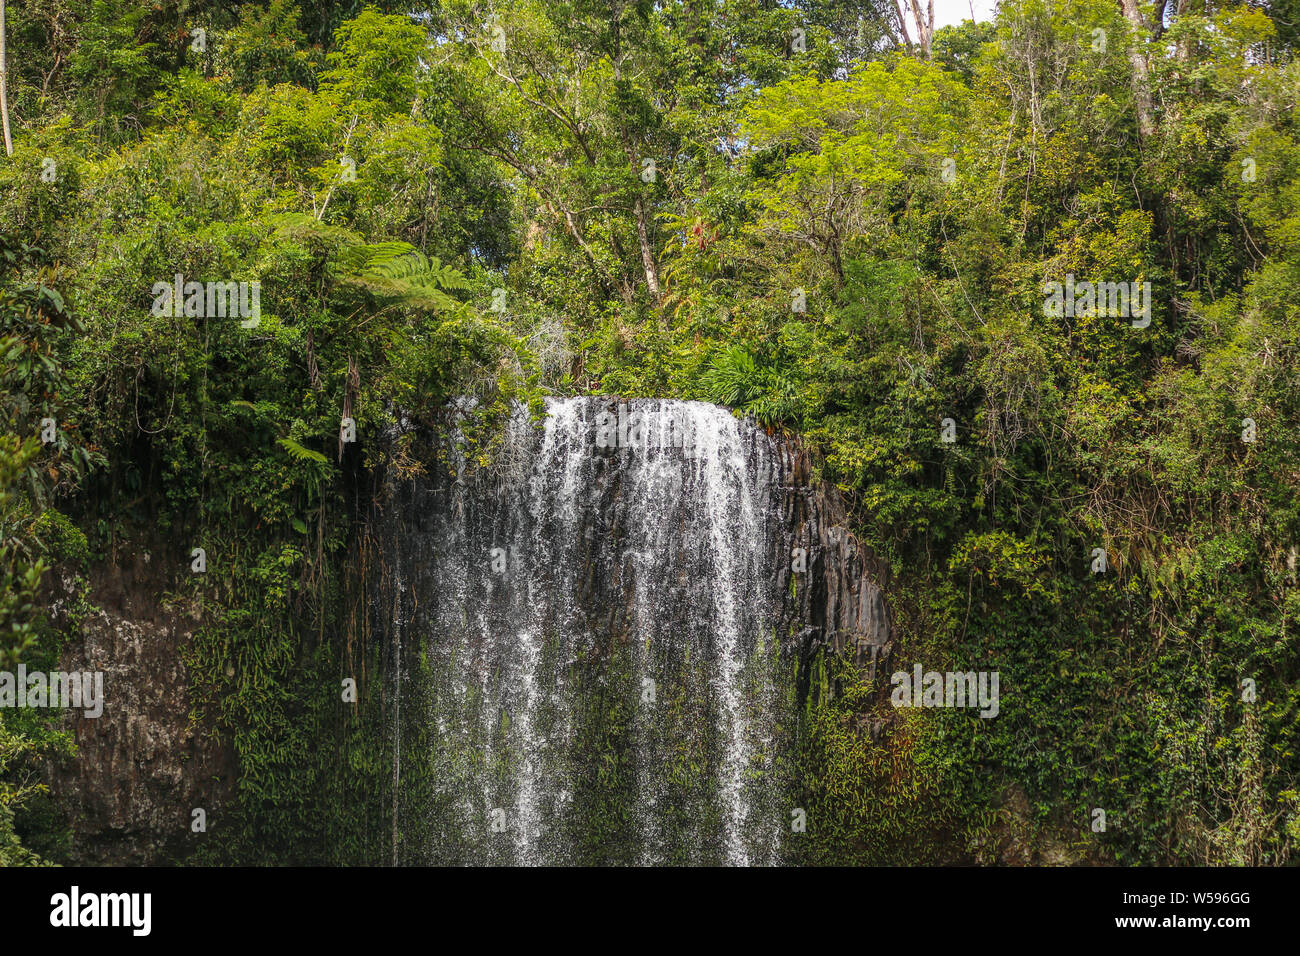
(400, 271)
(300, 452)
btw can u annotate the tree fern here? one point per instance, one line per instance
(388, 270)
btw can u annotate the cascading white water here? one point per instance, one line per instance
(592, 669)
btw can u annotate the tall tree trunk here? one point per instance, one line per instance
(4, 86)
(1141, 82)
(647, 254)
(924, 24)
(902, 25)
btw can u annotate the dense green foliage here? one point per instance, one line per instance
(843, 239)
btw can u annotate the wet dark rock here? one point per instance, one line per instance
(142, 765)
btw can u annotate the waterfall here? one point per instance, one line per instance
(596, 661)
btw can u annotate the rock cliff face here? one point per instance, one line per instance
(608, 622)
(843, 605)
(141, 767)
